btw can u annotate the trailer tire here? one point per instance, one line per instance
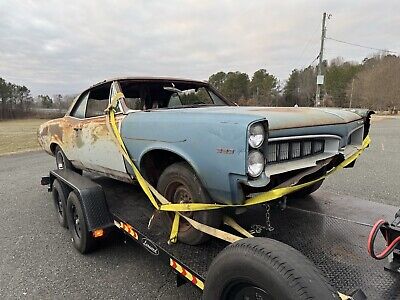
(82, 239)
(179, 181)
(261, 268)
(60, 194)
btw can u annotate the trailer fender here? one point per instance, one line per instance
(91, 196)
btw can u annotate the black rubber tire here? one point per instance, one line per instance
(308, 190)
(62, 162)
(62, 158)
(266, 265)
(181, 174)
(82, 239)
(60, 194)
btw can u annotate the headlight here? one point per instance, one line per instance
(256, 135)
(255, 163)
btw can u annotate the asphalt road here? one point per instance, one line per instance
(376, 174)
(38, 261)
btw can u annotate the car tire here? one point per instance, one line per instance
(261, 268)
(62, 162)
(179, 184)
(82, 239)
(60, 194)
(307, 190)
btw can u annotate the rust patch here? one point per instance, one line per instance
(60, 131)
(56, 130)
(98, 131)
(44, 130)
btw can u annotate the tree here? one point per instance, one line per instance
(377, 85)
(217, 80)
(57, 100)
(263, 87)
(4, 94)
(338, 76)
(291, 89)
(15, 100)
(45, 101)
(236, 86)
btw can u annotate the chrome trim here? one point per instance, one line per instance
(355, 129)
(298, 137)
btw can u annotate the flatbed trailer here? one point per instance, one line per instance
(331, 233)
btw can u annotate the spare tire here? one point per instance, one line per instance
(261, 268)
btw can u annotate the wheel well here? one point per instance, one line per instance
(155, 162)
(53, 147)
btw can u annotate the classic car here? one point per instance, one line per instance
(193, 144)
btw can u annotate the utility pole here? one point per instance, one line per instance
(320, 78)
(351, 94)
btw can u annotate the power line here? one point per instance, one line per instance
(312, 37)
(310, 64)
(361, 46)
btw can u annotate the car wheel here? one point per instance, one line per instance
(307, 190)
(82, 239)
(261, 268)
(60, 195)
(62, 162)
(179, 184)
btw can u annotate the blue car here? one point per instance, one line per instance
(193, 144)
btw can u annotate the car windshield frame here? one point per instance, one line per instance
(166, 85)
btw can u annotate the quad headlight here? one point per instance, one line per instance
(256, 135)
(255, 163)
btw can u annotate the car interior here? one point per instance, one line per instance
(98, 100)
(168, 94)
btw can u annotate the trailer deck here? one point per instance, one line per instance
(332, 232)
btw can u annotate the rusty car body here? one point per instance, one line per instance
(209, 133)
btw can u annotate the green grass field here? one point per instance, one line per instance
(19, 135)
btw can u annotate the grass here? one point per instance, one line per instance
(19, 135)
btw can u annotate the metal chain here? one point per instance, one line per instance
(257, 229)
(268, 218)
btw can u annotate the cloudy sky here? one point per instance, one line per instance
(65, 46)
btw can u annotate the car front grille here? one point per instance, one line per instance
(289, 150)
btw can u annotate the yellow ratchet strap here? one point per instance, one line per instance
(161, 203)
(344, 297)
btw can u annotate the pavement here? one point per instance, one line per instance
(38, 261)
(376, 174)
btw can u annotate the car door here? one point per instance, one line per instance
(72, 131)
(97, 148)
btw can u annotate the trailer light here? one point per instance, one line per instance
(98, 233)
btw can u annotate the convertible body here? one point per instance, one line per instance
(234, 151)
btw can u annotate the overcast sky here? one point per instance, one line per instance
(66, 46)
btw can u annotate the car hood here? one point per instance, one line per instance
(280, 117)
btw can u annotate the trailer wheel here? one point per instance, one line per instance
(261, 268)
(179, 184)
(82, 239)
(60, 195)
